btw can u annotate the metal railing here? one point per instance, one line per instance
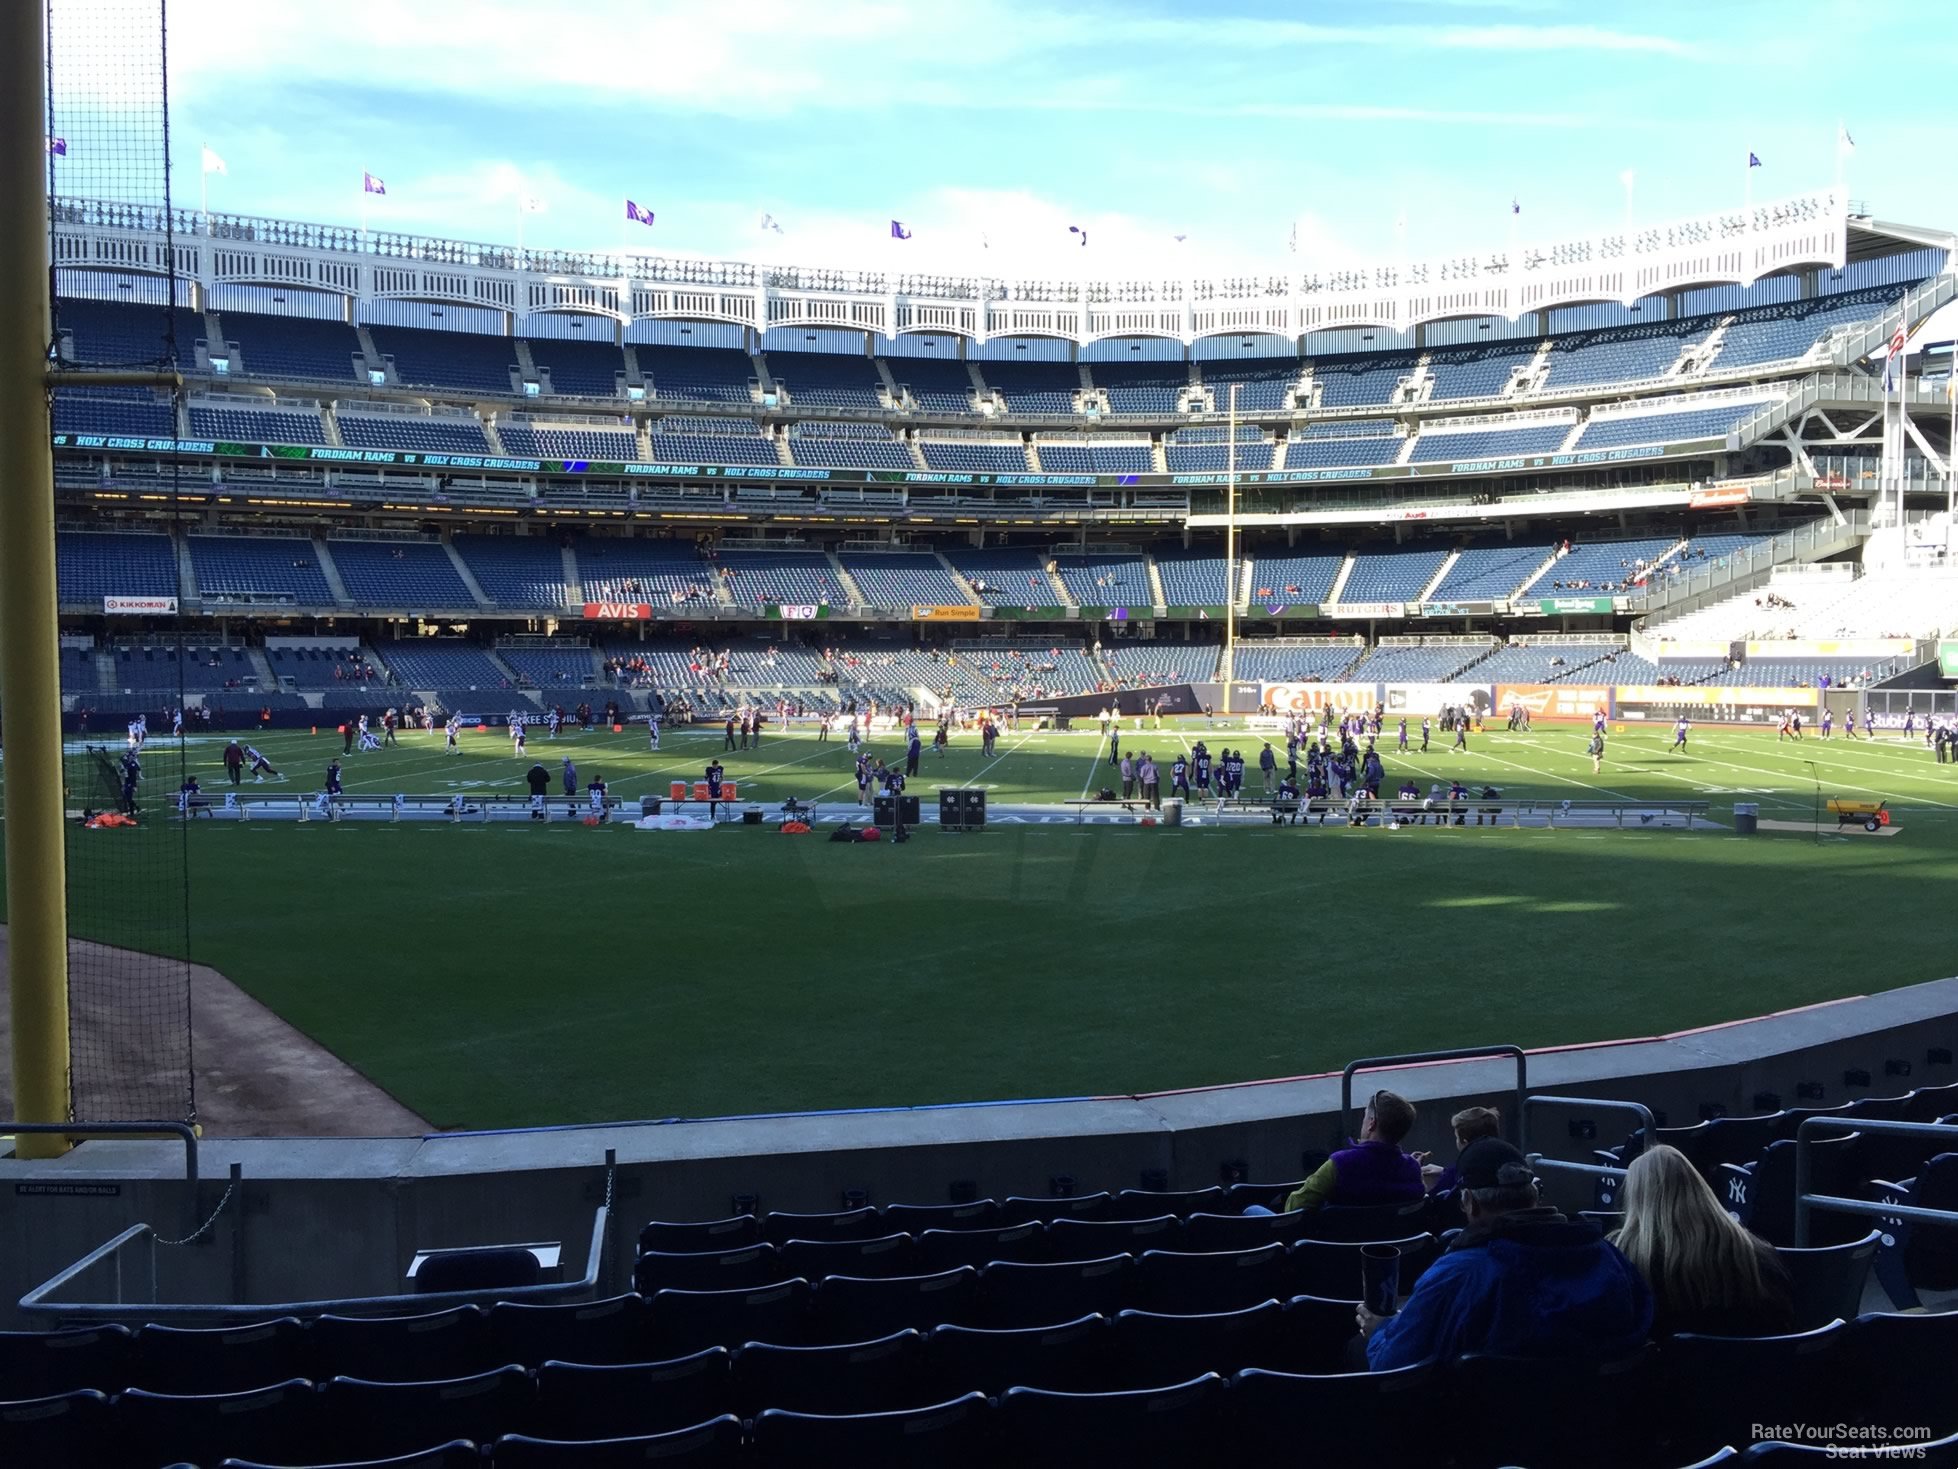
(1750, 564)
(1648, 1131)
(1806, 1202)
(1421, 1058)
(125, 1129)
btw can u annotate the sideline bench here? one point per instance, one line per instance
(1871, 815)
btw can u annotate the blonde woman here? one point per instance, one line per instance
(1707, 1273)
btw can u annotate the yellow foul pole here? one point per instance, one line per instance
(30, 684)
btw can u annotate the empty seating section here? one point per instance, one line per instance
(255, 425)
(976, 456)
(1491, 571)
(241, 567)
(1353, 382)
(434, 359)
(579, 369)
(78, 671)
(755, 578)
(1142, 665)
(1207, 449)
(697, 374)
(1619, 354)
(1476, 372)
(848, 446)
(201, 668)
(903, 579)
(1191, 580)
(679, 440)
(1003, 575)
(1889, 603)
(516, 571)
(91, 565)
(1282, 576)
(551, 668)
(1120, 457)
(1417, 665)
(293, 348)
(315, 667)
(1785, 332)
(415, 574)
(1141, 387)
(1390, 576)
(616, 569)
(117, 333)
(1106, 581)
(1318, 451)
(1034, 387)
(1540, 660)
(442, 663)
(569, 441)
(124, 412)
(1604, 565)
(1440, 446)
(451, 434)
(1032, 672)
(827, 379)
(936, 386)
(1291, 662)
(1681, 426)
(1262, 387)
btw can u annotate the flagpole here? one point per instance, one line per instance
(520, 215)
(204, 187)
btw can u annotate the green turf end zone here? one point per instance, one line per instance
(508, 975)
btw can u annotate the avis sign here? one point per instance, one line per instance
(618, 612)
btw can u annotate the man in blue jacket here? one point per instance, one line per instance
(1520, 1280)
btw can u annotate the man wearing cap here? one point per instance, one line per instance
(1520, 1280)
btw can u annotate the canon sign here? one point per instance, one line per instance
(617, 612)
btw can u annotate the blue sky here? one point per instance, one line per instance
(1225, 123)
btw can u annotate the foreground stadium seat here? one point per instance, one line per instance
(439, 1344)
(1016, 1294)
(1138, 1203)
(1225, 1280)
(1331, 1268)
(915, 1219)
(1153, 1349)
(456, 1454)
(578, 1401)
(779, 1228)
(1361, 1222)
(1071, 1357)
(39, 1364)
(493, 1269)
(1901, 1362)
(375, 1419)
(1317, 1330)
(1829, 1280)
(617, 1329)
(1206, 1232)
(1074, 1206)
(853, 1307)
(948, 1435)
(279, 1424)
(712, 1234)
(175, 1359)
(880, 1376)
(1771, 1379)
(685, 1321)
(1165, 1425)
(1240, 1196)
(887, 1255)
(715, 1442)
(736, 1269)
(65, 1428)
(945, 1249)
(1556, 1415)
(1092, 1239)
(1915, 1258)
(1762, 1195)
(1355, 1417)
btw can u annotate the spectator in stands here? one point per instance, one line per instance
(1707, 1273)
(1470, 1124)
(1373, 1170)
(1520, 1280)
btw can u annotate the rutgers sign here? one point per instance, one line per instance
(618, 612)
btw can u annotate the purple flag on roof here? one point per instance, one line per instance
(371, 185)
(637, 215)
(900, 230)
(58, 147)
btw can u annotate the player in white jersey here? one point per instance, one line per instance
(518, 743)
(652, 732)
(1679, 734)
(854, 742)
(595, 793)
(368, 740)
(360, 733)
(261, 767)
(554, 722)
(177, 723)
(452, 735)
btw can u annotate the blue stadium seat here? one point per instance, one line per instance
(1355, 1417)
(438, 359)
(1207, 1232)
(1389, 576)
(1829, 1279)
(1898, 1362)
(741, 1268)
(1141, 388)
(633, 569)
(1761, 1194)
(697, 374)
(917, 1218)
(903, 579)
(422, 1348)
(1123, 457)
(1106, 581)
(1331, 1268)
(1013, 1293)
(1165, 1425)
(458, 1453)
(1787, 331)
(1095, 1239)
(1286, 577)
(74, 1427)
(1620, 354)
(1315, 451)
(516, 571)
(886, 1255)
(975, 456)
(946, 1249)
(126, 333)
(1490, 443)
(375, 1419)
(579, 369)
(1560, 1415)
(948, 1435)
(1915, 1258)
(255, 426)
(1773, 1379)
(1476, 372)
(294, 349)
(1493, 571)
(780, 1226)
(420, 433)
(616, 1329)
(399, 574)
(41, 1364)
(1657, 427)
(219, 1359)
(936, 385)
(243, 567)
(281, 1423)
(1220, 1280)
(709, 1445)
(1359, 381)
(827, 379)
(1157, 1350)
(862, 1307)
(1264, 386)
(1034, 387)
(848, 446)
(569, 442)
(1069, 1206)
(442, 663)
(1070, 1357)
(685, 1321)
(881, 1376)
(1207, 450)
(124, 412)
(581, 1400)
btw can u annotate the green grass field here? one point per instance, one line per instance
(514, 974)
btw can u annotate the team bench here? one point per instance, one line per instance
(455, 809)
(1870, 815)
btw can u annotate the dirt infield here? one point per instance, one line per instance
(256, 1075)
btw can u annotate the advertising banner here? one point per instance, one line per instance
(1876, 649)
(1366, 609)
(1432, 698)
(1752, 704)
(1718, 497)
(967, 613)
(1266, 607)
(1564, 606)
(1553, 700)
(1948, 659)
(796, 612)
(618, 611)
(1298, 698)
(1457, 609)
(140, 606)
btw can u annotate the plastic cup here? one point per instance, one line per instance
(1380, 1278)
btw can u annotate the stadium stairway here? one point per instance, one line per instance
(1447, 565)
(1158, 461)
(105, 670)
(262, 666)
(1334, 593)
(370, 355)
(1538, 575)
(526, 364)
(468, 577)
(327, 567)
(574, 584)
(1157, 596)
(890, 383)
(846, 583)
(782, 454)
(763, 376)
(971, 597)
(187, 586)
(1576, 433)
(1054, 577)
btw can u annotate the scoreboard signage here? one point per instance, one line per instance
(1635, 700)
(967, 613)
(796, 611)
(140, 606)
(1552, 700)
(1564, 606)
(618, 611)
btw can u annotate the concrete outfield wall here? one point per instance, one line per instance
(328, 1217)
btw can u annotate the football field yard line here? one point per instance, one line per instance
(1552, 775)
(1094, 764)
